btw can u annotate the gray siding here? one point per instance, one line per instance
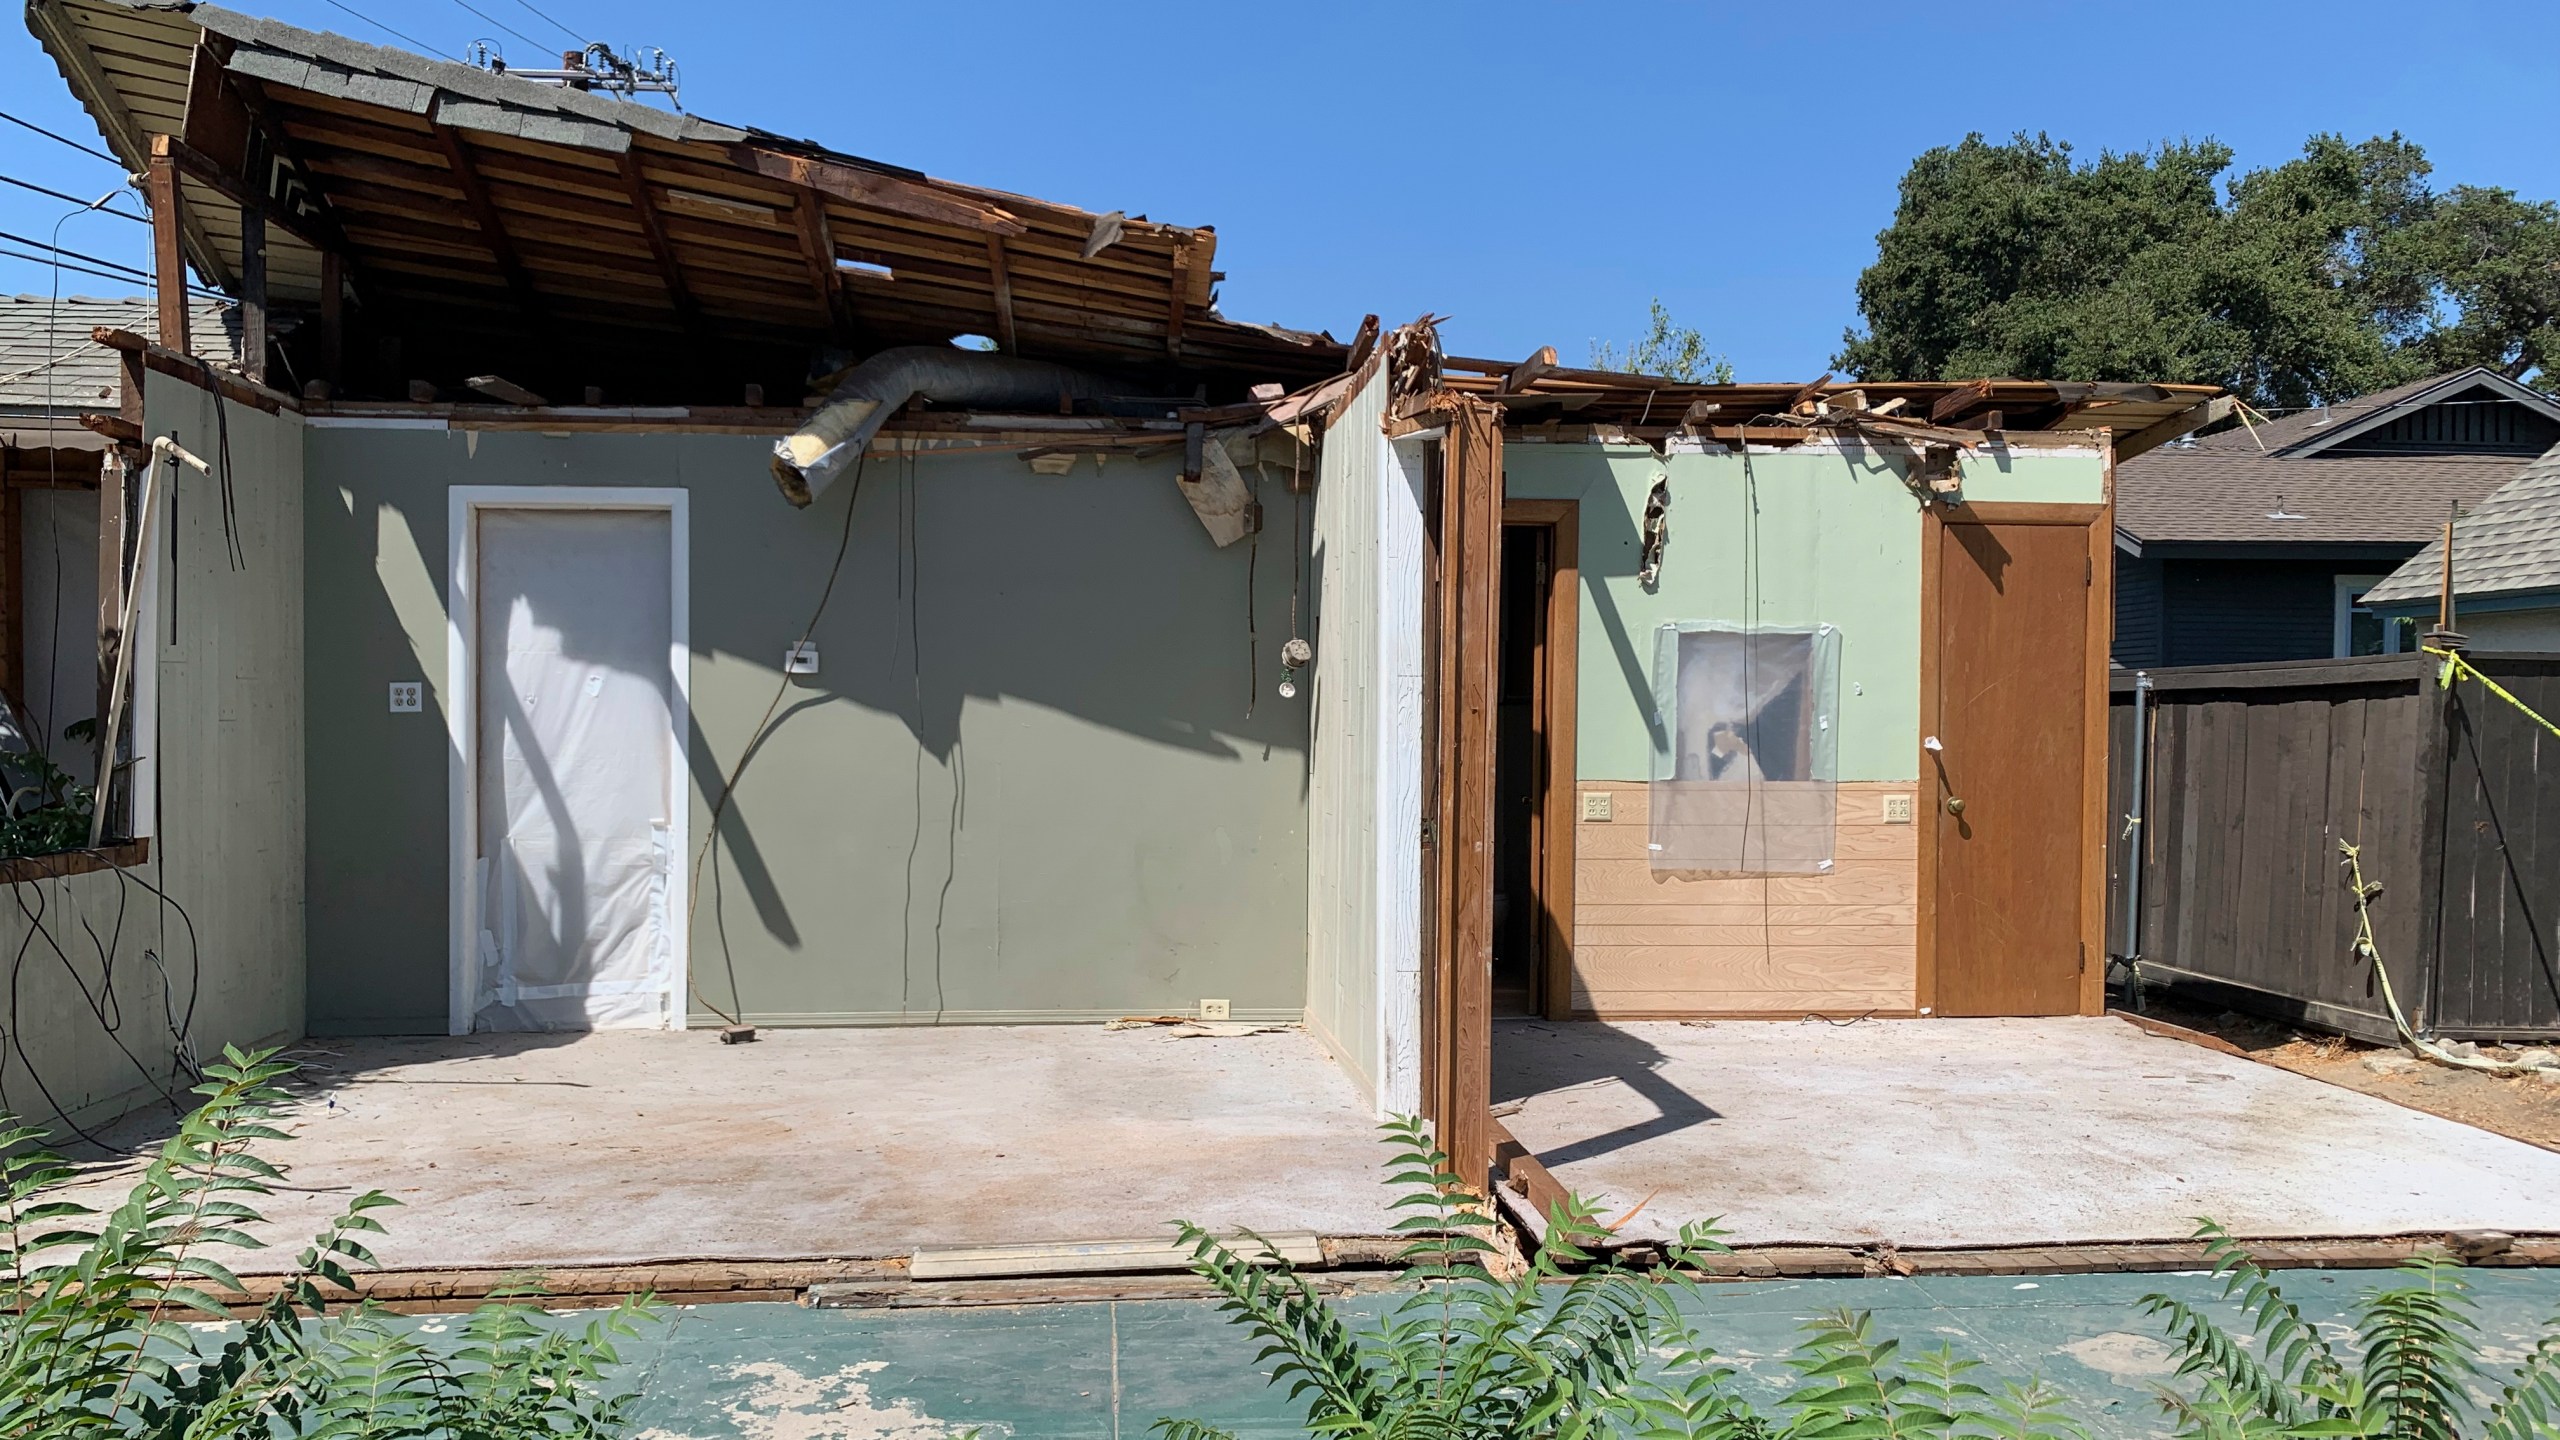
(1026, 784)
(2138, 632)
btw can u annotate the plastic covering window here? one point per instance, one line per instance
(1746, 759)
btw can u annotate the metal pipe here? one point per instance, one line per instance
(2133, 829)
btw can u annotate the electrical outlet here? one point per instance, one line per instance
(408, 696)
(1596, 804)
(1897, 809)
(1216, 1010)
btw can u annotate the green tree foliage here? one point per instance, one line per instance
(1673, 351)
(2336, 273)
(102, 1333)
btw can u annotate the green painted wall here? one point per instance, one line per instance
(1795, 538)
(1052, 804)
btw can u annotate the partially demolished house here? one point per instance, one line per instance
(696, 625)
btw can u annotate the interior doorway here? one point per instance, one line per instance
(1533, 763)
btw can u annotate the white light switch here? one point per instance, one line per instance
(1897, 809)
(1597, 805)
(408, 697)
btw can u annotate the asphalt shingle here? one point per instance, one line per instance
(2509, 544)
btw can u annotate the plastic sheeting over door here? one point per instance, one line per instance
(576, 733)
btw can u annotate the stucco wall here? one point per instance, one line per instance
(227, 768)
(1024, 786)
(2511, 629)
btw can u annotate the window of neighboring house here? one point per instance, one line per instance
(2359, 631)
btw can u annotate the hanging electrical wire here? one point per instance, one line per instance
(65, 139)
(100, 206)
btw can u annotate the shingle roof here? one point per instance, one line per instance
(47, 357)
(2508, 544)
(2227, 488)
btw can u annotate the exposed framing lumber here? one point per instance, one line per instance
(818, 247)
(2185, 422)
(1181, 302)
(874, 189)
(484, 214)
(1526, 373)
(253, 292)
(1002, 271)
(1973, 396)
(654, 228)
(124, 135)
(168, 259)
(140, 354)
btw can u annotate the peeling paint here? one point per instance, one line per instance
(780, 1403)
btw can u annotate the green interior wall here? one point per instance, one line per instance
(1787, 539)
(1025, 785)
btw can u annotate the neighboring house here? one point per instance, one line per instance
(2506, 568)
(1037, 762)
(2250, 545)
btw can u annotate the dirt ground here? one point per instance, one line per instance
(2525, 1107)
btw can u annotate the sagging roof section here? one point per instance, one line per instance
(596, 241)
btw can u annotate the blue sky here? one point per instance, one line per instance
(1535, 171)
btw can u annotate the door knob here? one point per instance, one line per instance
(1955, 806)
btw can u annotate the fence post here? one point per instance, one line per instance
(2435, 778)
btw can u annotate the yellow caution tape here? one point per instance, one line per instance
(2455, 668)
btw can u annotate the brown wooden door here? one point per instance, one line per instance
(2008, 778)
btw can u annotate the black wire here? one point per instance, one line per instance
(137, 271)
(494, 20)
(65, 139)
(387, 30)
(73, 199)
(556, 25)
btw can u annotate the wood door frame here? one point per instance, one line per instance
(461, 701)
(2099, 521)
(1558, 686)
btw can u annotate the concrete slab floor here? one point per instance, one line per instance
(626, 1146)
(781, 1372)
(1987, 1132)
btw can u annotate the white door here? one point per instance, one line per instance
(575, 867)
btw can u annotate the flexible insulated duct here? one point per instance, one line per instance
(806, 461)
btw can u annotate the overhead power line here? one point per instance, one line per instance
(65, 139)
(501, 24)
(136, 271)
(554, 24)
(387, 30)
(72, 199)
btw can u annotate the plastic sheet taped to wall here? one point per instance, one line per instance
(576, 867)
(1746, 756)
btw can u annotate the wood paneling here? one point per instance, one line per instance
(1839, 942)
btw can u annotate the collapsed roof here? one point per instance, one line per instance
(584, 240)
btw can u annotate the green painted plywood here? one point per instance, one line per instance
(1025, 784)
(1797, 538)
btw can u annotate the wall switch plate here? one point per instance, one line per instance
(800, 658)
(1597, 804)
(1897, 809)
(408, 697)
(1216, 1010)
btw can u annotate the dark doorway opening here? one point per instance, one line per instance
(1522, 773)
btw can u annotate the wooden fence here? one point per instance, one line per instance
(2254, 773)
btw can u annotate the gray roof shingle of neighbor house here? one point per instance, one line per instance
(2508, 545)
(2382, 468)
(49, 365)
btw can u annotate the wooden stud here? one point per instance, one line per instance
(654, 229)
(1003, 275)
(1526, 373)
(1972, 395)
(168, 261)
(253, 293)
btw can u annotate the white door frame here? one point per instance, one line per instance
(462, 705)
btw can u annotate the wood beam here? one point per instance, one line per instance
(875, 190)
(1526, 373)
(2185, 422)
(1181, 302)
(168, 260)
(661, 249)
(1003, 275)
(1973, 396)
(124, 134)
(253, 293)
(499, 387)
(818, 248)
(484, 214)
